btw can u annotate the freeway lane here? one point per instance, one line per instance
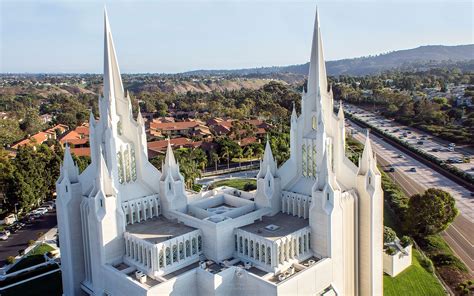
(460, 235)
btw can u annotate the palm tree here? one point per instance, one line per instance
(239, 154)
(226, 154)
(248, 152)
(214, 157)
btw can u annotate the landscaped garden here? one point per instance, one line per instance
(240, 184)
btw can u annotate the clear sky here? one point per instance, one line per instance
(175, 36)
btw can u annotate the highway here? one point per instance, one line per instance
(460, 235)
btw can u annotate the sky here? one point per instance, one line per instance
(66, 36)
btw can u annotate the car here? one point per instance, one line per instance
(7, 232)
(434, 150)
(420, 142)
(451, 149)
(452, 145)
(3, 236)
(41, 211)
(391, 169)
(400, 155)
(47, 206)
(413, 170)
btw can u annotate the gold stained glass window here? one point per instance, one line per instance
(126, 157)
(120, 167)
(314, 122)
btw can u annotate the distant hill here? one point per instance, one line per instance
(422, 57)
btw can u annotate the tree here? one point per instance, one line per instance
(430, 212)
(226, 154)
(214, 157)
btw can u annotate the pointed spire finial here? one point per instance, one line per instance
(113, 86)
(367, 159)
(340, 113)
(69, 167)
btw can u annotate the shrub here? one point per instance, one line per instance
(427, 264)
(406, 241)
(448, 260)
(31, 242)
(10, 259)
(249, 187)
(390, 251)
(388, 235)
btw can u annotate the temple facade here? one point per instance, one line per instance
(314, 226)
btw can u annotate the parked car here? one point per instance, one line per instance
(41, 211)
(450, 149)
(391, 169)
(3, 236)
(452, 145)
(47, 206)
(434, 150)
(400, 155)
(420, 142)
(7, 232)
(413, 170)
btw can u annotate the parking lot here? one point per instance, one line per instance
(31, 231)
(419, 139)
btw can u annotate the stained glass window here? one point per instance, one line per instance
(134, 164)
(188, 248)
(315, 123)
(120, 167)
(161, 263)
(119, 127)
(175, 253)
(194, 245)
(181, 250)
(126, 156)
(168, 256)
(199, 243)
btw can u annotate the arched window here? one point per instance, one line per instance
(257, 254)
(194, 245)
(241, 245)
(161, 262)
(262, 253)
(188, 248)
(251, 249)
(269, 256)
(168, 256)
(300, 245)
(175, 253)
(181, 250)
(236, 243)
(314, 123)
(199, 243)
(120, 167)
(246, 247)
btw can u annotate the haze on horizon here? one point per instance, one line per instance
(54, 36)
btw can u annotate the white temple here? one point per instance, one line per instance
(313, 226)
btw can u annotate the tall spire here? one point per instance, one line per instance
(170, 166)
(340, 112)
(317, 70)
(268, 162)
(68, 167)
(112, 81)
(294, 117)
(367, 159)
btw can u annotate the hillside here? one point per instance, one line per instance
(423, 57)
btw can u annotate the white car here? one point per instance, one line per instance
(40, 211)
(3, 236)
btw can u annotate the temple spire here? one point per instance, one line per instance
(268, 163)
(317, 80)
(340, 113)
(367, 160)
(170, 166)
(68, 167)
(112, 81)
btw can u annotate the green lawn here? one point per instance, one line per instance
(34, 257)
(235, 183)
(415, 281)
